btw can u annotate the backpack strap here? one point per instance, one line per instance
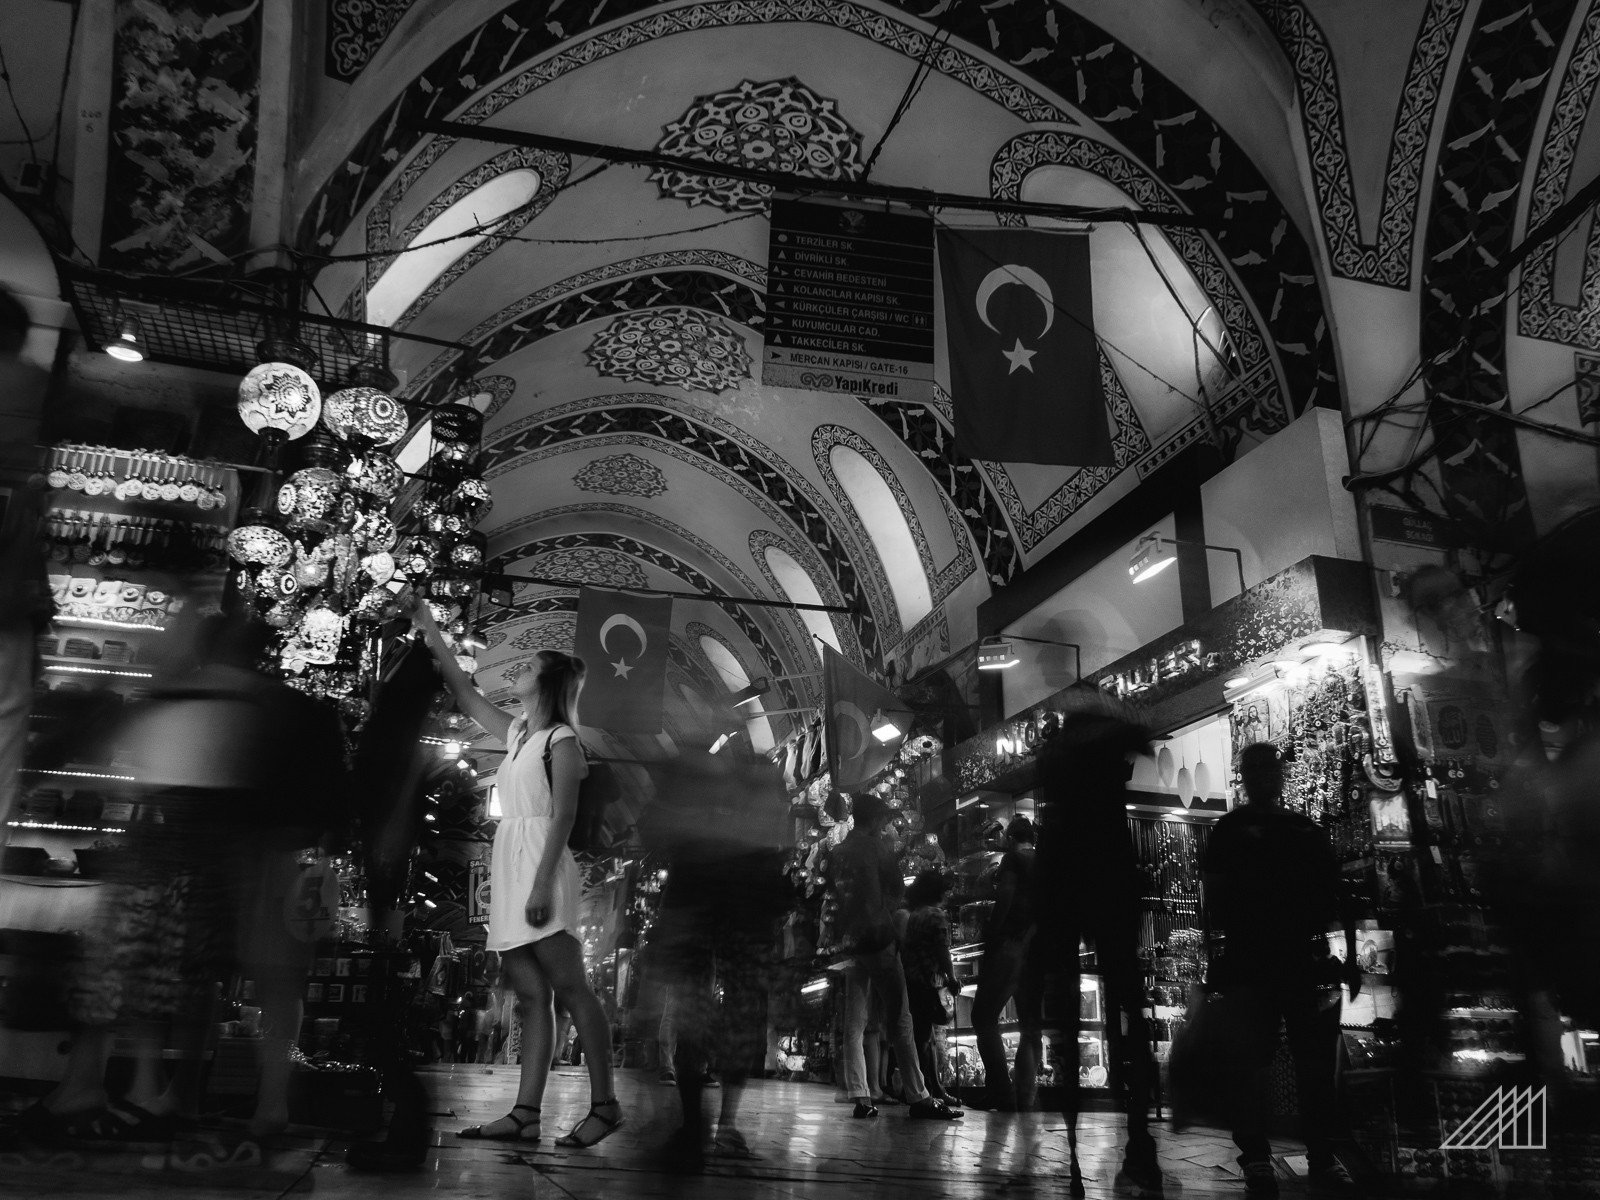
(549, 745)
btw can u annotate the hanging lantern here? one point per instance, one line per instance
(379, 476)
(365, 416)
(466, 556)
(457, 423)
(311, 571)
(279, 401)
(309, 498)
(418, 556)
(472, 497)
(374, 532)
(378, 567)
(259, 545)
(320, 634)
(373, 605)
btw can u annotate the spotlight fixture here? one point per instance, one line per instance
(721, 742)
(1152, 556)
(750, 693)
(129, 343)
(1150, 559)
(885, 727)
(996, 654)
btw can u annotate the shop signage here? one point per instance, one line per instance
(478, 893)
(849, 301)
(1317, 595)
(1409, 527)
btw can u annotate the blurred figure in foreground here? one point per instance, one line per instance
(1545, 888)
(721, 821)
(206, 890)
(869, 888)
(1000, 976)
(925, 948)
(1086, 888)
(1272, 886)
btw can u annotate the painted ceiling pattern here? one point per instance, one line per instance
(682, 318)
(761, 475)
(781, 125)
(588, 564)
(621, 475)
(1539, 313)
(678, 347)
(1388, 261)
(798, 654)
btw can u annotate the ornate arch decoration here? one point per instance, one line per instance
(1485, 144)
(716, 262)
(1271, 409)
(552, 168)
(633, 549)
(941, 581)
(1539, 313)
(780, 630)
(1047, 42)
(702, 440)
(1388, 260)
(693, 288)
(761, 540)
(695, 630)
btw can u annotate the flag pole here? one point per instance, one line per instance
(713, 597)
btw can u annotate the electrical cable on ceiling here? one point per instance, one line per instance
(919, 76)
(27, 134)
(61, 99)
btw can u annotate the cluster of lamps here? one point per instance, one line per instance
(322, 563)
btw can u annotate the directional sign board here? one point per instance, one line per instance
(849, 301)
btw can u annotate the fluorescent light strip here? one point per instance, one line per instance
(61, 828)
(107, 623)
(68, 670)
(81, 774)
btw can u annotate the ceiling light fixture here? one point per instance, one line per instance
(721, 742)
(1151, 557)
(996, 654)
(885, 728)
(750, 693)
(129, 343)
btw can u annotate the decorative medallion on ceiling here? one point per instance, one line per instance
(554, 631)
(621, 475)
(590, 564)
(781, 125)
(683, 347)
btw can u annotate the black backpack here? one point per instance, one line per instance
(597, 791)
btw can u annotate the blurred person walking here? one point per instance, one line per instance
(1086, 889)
(925, 950)
(721, 822)
(1000, 976)
(1272, 887)
(869, 889)
(533, 922)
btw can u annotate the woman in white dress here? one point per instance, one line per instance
(536, 887)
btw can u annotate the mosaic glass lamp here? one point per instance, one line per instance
(279, 402)
(366, 417)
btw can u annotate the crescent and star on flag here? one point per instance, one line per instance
(844, 708)
(1019, 356)
(622, 667)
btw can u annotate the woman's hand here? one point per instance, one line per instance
(415, 607)
(541, 900)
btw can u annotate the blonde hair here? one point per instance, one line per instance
(558, 678)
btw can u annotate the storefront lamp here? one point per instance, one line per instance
(1155, 554)
(885, 728)
(996, 654)
(1150, 558)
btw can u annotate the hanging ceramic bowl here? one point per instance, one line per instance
(1164, 770)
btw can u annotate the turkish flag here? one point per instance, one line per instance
(622, 639)
(855, 755)
(1019, 334)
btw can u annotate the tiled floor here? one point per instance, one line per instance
(809, 1148)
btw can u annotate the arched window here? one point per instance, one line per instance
(734, 677)
(797, 585)
(890, 533)
(440, 244)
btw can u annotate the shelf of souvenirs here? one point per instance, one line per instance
(85, 473)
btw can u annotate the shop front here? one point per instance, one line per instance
(1290, 661)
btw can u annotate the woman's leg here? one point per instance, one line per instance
(533, 988)
(561, 960)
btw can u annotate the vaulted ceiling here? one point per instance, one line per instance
(1362, 171)
(618, 311)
